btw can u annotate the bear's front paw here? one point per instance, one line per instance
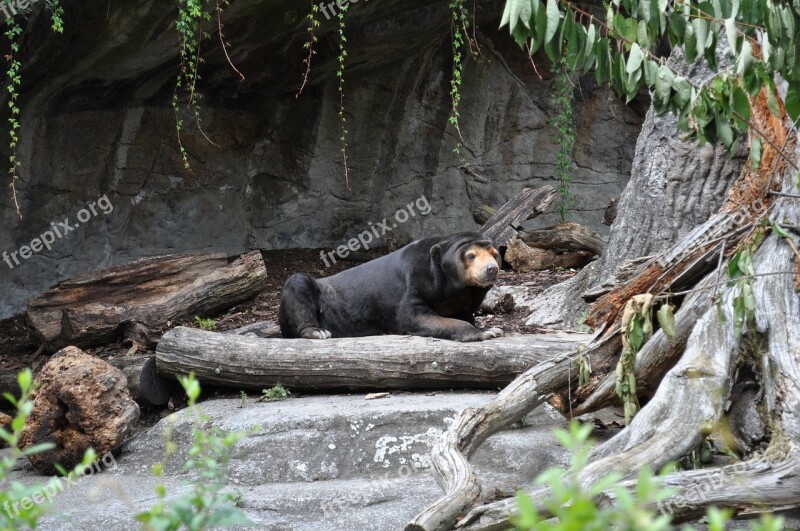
(315, 333)
(491, 333)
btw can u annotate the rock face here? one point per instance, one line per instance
(338, 463)
(97, 123)
(79, 402)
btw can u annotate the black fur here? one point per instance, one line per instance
(416, 290)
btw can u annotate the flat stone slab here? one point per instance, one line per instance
(320, 462)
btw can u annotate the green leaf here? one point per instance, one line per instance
(690, 43)
(730, 32)
(25, 379)
(740, 104)
(666, 319)
(553, 19)
(772, 103)
(725, 132)
(683, 91)
(635, 58)
(664, 78)
(755, 152)
(792, 101)
(700, 26)
(602, 67)
(540, 26)
(745, 60)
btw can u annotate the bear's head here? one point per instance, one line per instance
(468, 259)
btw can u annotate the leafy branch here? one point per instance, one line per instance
(717, 111)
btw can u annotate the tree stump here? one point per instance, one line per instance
(79, 402)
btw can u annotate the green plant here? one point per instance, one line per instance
(571, 507)
(576, 508)
(313, 24)
(13, 32)
(191, 15)
(565, 138)
(278, 392)
(340, 74)
(618, 47)
(459, 23)
(243, 397)
(205, 324)
(637, 327)
(206, 505)
(21, 506)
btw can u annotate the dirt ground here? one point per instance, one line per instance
(18, 348)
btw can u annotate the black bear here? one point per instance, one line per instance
(430, 287)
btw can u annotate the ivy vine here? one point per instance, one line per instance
(14, 34)
(313, 24)
(565, 138)
(340, 76)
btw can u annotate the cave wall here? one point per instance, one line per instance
(97, 122)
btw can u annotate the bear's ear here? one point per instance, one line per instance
(436, 252)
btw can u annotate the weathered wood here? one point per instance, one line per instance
(145, 385)
(529, 202)
(96, 308)
(472, 426)
(377, 362)
(8, 384)
(482, 214)
(259, 329)
(566, 237)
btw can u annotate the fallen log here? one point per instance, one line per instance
(98, 307)
(529, 202)
(259, 329)
(145, 385)
(566, 237)
(377, 362)
(484, 213)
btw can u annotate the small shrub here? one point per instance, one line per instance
(278, 392)
(205, 324)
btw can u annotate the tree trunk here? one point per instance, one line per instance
(96, 308)
(378, 362)
(564, 237)
(675, 185)
(710, 359)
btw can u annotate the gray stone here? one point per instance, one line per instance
(97, 121)
(323, 462)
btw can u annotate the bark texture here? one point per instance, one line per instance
(675, 185)
(378, 362)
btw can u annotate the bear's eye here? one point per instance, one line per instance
(470, 256)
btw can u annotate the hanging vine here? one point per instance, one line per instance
(462, 41)
(340, 75)
(191, 15)
(565, 138)
(14, 33)
(313, 24)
